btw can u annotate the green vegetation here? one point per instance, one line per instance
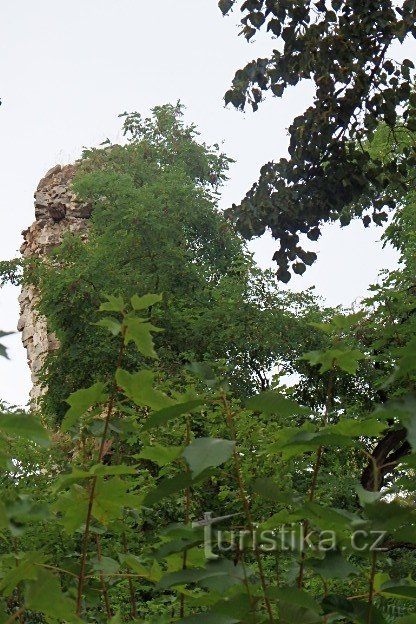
(349, 50)
(167, 407)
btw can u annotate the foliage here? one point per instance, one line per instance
(155, 197)
(184, 482)
(125, 555)
(346, 49)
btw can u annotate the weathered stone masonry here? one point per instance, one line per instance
(57, 211)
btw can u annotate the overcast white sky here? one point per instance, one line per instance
(68, 69)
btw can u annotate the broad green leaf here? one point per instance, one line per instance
(239, 606)
(105, 565)
(405, 534)
(71, 506)
(225, 5)
(272, 402)
(113, 304)
(306, 441)
(291, 613)
(370, 427)
(328, 518)
(168, 486)
(140, 332)
(113, 326)
(111, 497)
(386, 516)
(139, 388)
(45, 596)
(205, 453)
(160, 455)
(99, 470)
(152, 573)
(27, 569)
(267, 488)
(332, 566)
(298, 597)
(406, 592)
(345, 359)
(24, 426)
(221, 569)
(166, 414)
(345, 322)
(147, 301)
(356, 611)
(407, 619)
(327, 328)
(81, 401)
(407, 361)
(203, 371)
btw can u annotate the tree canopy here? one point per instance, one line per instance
(347, 49)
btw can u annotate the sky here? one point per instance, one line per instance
(68, 69)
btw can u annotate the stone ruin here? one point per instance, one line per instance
(57, 211)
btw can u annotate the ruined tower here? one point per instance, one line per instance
(57, 211)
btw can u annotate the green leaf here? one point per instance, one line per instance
(24, 426)
(345, 359)
(27, 569)
(163, 416)
(111, 497)
(221, 569)
(160, 455)
(205, 453)
(267, 488)
(113, 304)
(166, 487)
(345, 322)
(81, 401)
(203, 371)
(147, 301)
(45, 596)
(371, 427)
(272, 402)
(99, 470)
(140, 331)
(71, 506)
(407, 361)
(105, 565)
(405, 592)
(225, 6)
(113, 326)
(298, 597)
(355, 610)
(153, 573)
(333, 566)
(139, 388)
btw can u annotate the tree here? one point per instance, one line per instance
(155, 223)
(345, 48)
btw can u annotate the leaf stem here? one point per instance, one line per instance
(93, 484)
(245, 502)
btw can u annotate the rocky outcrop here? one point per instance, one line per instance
(57, 211)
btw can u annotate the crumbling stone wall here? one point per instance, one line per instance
(57, 211)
